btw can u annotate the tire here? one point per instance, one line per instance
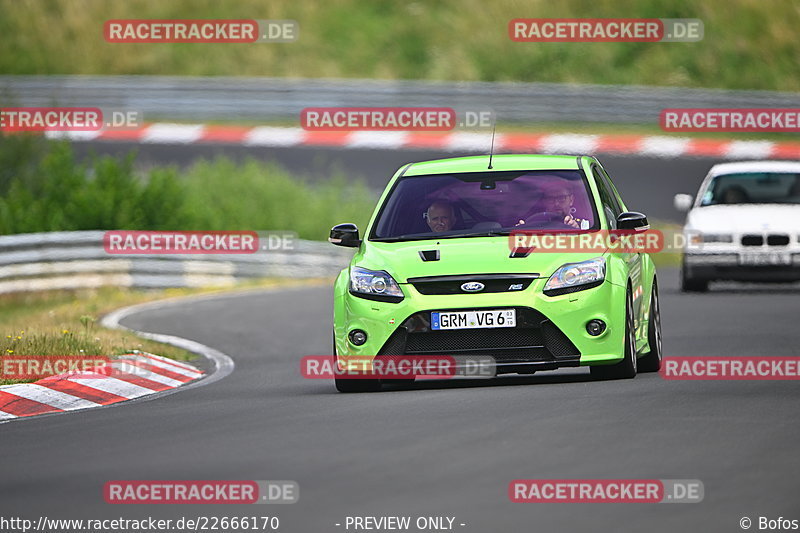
(353, 385)
(626, 368)
(692, 284)
(651, 361)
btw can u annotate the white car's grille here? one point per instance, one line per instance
(773, 239)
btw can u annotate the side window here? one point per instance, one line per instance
(614, 190)
(611, 207)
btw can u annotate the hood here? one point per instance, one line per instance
(473, 255)
(748, 218)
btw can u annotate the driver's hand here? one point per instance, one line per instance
(569, 220)
(521, 222)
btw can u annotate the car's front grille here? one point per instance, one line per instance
(465, 340)
(773, 239)
(490, 283)
(752, 240)
(777, 240)
(534, 339)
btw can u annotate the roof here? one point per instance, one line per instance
(480, 163)
(755, 166)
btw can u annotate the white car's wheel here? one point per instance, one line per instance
(692, 284)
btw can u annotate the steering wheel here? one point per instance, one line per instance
(544, 216)
(547, 220)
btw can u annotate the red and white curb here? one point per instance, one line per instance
(570, 143)
(133, 376)
(153, 376)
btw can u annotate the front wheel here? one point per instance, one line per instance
(651, 361)
(626, 368)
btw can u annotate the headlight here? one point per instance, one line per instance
(716, 237)
(574, 277)
(374, 285)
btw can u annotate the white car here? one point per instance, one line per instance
(744, 225)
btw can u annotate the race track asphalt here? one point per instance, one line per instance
(433, 449)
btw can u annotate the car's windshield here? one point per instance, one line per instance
(475, 204)
(753, 188)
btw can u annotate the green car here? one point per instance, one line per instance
(437, 272)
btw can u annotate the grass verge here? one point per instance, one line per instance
(747, 44)
(63, 323)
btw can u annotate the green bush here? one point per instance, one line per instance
(44, 188)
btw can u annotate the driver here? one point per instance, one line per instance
(556, 200)
(440, 216)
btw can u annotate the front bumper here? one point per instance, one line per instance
(550, 331)
(727, 266)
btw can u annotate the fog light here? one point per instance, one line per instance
(595, 327)
(358, 337)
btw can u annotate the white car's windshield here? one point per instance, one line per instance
(753, 188)
(474, 204)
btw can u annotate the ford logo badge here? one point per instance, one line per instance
(472, 286)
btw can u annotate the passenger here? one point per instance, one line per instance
(735, 194)
(440, 216)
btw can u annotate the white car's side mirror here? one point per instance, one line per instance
(683, 202)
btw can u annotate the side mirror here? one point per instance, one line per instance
(345, 235)
(683, 202)
(632, 221)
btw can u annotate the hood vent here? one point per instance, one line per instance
(429, 255)
(520, 253)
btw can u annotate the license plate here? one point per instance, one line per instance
(767, 258)
(494, 318)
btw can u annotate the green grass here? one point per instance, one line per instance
(66, 323)
(671, 255)
(748, 44)
(44, 188)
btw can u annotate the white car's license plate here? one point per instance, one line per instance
(765, 258)
(493, 318)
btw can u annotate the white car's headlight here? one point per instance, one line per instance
(697, 238)
(374, 285)
(574, 277)
(716, 237)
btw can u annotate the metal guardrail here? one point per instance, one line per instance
(77, 259)
(214, 98)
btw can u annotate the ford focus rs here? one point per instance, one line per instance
(436, 273)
